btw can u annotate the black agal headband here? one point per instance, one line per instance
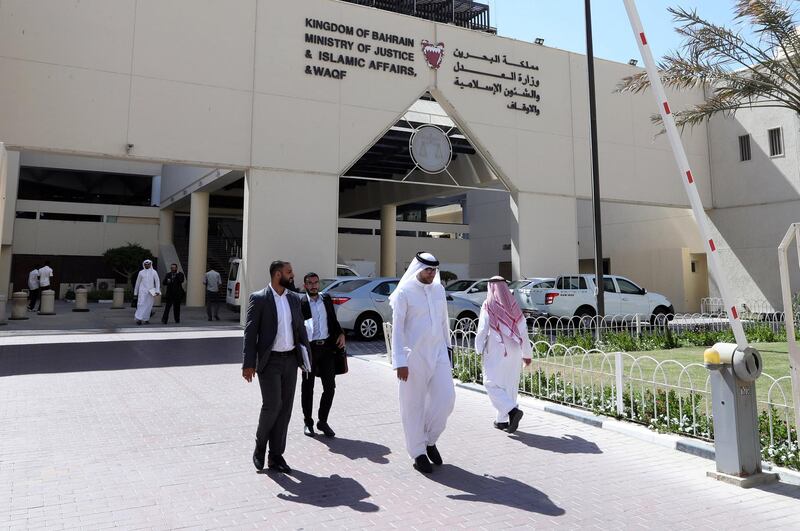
(425, 261)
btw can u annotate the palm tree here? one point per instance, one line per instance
(754, 65)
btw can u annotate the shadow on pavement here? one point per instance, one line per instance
(333, 491)
(497, 490)
(567, 444)
(119, 355)
(353, 449)
(782, 489)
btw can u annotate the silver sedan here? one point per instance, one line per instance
(362, 306)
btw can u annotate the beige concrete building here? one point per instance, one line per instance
(287, 136)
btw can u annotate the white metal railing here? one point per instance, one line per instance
(715, 306)
(664, 394)
(638, 325)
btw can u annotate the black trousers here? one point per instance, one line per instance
(325, 369)
(278, 381)
(175, 304)
(212, 304)
(33, 297)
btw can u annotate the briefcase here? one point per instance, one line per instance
(340, 361)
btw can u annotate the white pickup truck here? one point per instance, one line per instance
(574, 296)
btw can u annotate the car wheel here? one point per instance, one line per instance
(660, 316)
(584, 317)
(466, 322)
(368, 326)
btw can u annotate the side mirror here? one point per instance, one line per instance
(644, 291)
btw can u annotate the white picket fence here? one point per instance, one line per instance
(665, 394)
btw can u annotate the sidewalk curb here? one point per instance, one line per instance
(667, 440)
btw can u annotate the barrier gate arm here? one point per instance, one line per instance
(687, 178)
(788, 314)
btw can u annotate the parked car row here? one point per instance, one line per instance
(362, 305)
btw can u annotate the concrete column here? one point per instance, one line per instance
(47, 302)
(19, 306)
(81, 300)
(388, 240)
(198, 250)
(166, 226)
(544, 235)
(276, 228)
(118, 302)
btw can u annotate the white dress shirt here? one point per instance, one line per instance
(319, 317)
(284, 338)
(33, 279)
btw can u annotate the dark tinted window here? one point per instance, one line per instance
(75, 186)
(628, 288)
(459, 285)
(571, 283)
(385, 288)
(608, 285)
(350, 285)
(481, 286)
(545, 284)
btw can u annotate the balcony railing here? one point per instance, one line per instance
(464, 13)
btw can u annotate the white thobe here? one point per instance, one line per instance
(420, 339)
(147, 280)
(502, 363)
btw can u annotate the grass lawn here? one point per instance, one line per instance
(775, 356)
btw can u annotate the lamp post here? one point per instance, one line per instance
(598, 232)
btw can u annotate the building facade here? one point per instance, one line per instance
(274, 123)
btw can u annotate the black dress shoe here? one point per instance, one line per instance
(278, 464)
(433, 455)
(501, 425)
(422, 464)
(308, 430)
(258, 460)
(325, 429)
(514, 416)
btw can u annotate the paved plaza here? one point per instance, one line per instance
(158, 434)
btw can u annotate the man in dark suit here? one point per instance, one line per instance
(273, 337)
(327, 339)
(173, 283)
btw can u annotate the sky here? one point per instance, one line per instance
(561, 24)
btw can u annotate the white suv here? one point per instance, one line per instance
(574, 296)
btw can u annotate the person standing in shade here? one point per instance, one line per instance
(45, 277)
(33, 289)
(145, 291)
(420, 355)
(213, 282)
(502, 340)
(326, 338)
(274, 336)
(173, 283)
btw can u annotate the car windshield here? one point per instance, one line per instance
(350, 285)
(459, 285)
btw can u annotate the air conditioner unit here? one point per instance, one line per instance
(105, 283)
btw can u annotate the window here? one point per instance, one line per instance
(59, 216)
(350, 285)
(775, 142)
(353, 230)
(26, 215)
(385, 288)
(234, 272)
(481, 286)
(545, 284)
(744, 148)
(608, 285)
(571, 283)
(694, 266)
(459, 285)
(628, 288)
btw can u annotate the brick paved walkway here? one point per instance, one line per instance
(158, 434)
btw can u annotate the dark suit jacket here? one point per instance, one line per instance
(262, 327)
(173, 282)
(334, 328)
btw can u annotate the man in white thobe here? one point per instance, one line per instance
(147, 287)
(420, 344)
(502, 340)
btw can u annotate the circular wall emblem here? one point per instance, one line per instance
(430, 149)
